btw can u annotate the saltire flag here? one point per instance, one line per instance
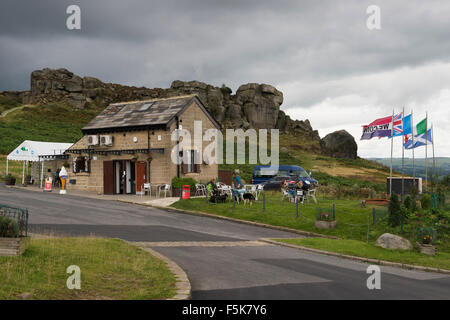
(420, 128)
(379, 128)
(419, 140)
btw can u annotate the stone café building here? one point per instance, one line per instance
(129, 144)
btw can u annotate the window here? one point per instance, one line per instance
(145, 106)
(81, 164)
(191, 161)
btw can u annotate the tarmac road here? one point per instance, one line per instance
(222, 259)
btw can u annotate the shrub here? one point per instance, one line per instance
(327, 191)
(8, 228)
(408, 202)
(425, 201)
(324, 216)
(177, 183)
(395, 211)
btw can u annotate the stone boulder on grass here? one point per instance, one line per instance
(392, 241)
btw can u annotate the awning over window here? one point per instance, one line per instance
(31, 150)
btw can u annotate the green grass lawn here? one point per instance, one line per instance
(354, 222)
(362, 249)
(352, 219)
(110, 269)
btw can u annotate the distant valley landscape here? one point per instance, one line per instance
(442, 165)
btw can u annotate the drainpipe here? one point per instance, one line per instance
(147, 173)
(178, 145)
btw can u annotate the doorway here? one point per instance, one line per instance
(124, 176)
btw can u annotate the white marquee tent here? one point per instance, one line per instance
(36, 151)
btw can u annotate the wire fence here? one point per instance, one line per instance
(18, 215)
(303, 212)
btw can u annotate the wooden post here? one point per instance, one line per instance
(23, 173)
(264, 201)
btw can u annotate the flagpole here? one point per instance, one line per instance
(432, 144)
(392, 150)
(426, 152)
(403, 155)
(412, 135)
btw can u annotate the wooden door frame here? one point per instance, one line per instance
(136, 174)
(105, 187)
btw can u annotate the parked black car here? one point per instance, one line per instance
(275, 182)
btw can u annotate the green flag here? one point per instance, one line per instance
(421, 127)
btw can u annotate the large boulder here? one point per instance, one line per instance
(339, 144)
(254, 105)
(392, 241)
(260, 104)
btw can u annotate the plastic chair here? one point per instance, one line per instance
(284, 194)
(200, 189)
(312, 194)
(146, 187)
(165, 188)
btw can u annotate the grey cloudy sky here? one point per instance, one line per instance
(320, 54)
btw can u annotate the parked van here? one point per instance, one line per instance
(264, 173)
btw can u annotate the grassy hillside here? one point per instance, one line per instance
(54, 123)
(61, 123)
(7, 104)
(303, 152)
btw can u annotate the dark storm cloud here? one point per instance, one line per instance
(153, 42)
(319, 53)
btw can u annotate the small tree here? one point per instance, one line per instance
(408, 202)
(395, 212)
(426, 201)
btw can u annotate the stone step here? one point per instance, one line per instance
(9, 252)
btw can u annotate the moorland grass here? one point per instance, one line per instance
(110, 269)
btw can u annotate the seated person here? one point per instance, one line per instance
(300, 188)
(238, 186)
(284, 184)
(211, 187)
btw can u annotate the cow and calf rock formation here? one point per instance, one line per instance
(252, 106)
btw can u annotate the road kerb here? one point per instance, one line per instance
(183, 285)
(253, 223)
(360, 259)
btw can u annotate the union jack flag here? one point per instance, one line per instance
(398, 125)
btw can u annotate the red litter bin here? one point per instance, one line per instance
(186, 193)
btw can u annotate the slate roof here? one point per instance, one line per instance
(148, 113)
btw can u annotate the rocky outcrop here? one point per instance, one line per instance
(54, 85)
(252, 106)
(392, 241)
(339, 144)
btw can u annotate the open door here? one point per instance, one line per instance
(141, 170)
(108, 177)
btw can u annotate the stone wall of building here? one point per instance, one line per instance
(161, 167)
